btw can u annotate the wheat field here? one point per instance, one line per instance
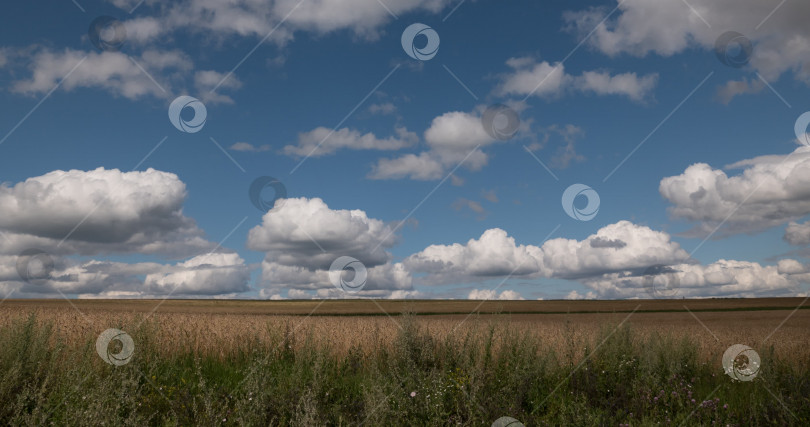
(220, 327)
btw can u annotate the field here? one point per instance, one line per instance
(403, 362)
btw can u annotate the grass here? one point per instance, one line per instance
(410, 375)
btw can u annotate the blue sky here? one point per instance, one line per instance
(633, 72)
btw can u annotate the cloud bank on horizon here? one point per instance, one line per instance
(443, 173)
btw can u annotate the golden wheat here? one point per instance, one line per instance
(221, 328)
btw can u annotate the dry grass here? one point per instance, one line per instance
(220, 328)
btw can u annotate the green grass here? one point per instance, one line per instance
(470, 380)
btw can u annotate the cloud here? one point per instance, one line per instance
(607, 243)
(128, 5)
(452, 135)
(401, 294)
(210, 274)
(615, 247)
(798, 234)
(790, 266)
(291, 234)
(639, 27)
(323, 141)
(302, 237)
(263, 18)
(420, 167)
(205, 275)
(564, 154)
(244, 18)
(141, 213)
(250, 148)
(97, 212)
(112, 71)
(489, 195)
(770, 191)
(331, 293)
(542, 79)
(733, 88)
(127, 76)
(462, 203)
(489, 294)
(382, 109)
(574, 295)
(493, 254)
(452, 138)
(363, 17)
(72, 214)
(724, 278)
(614, 263)
(209, 83)
(626, 84)
(550, 81)
(475, 206)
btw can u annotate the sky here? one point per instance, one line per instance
(286, 149)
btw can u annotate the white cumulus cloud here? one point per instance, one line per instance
(302, 237)
(770, 191)
(72, 214)
(615, 247)
(99, 211)
(778, 30)
(489, 294)
(453, 138)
